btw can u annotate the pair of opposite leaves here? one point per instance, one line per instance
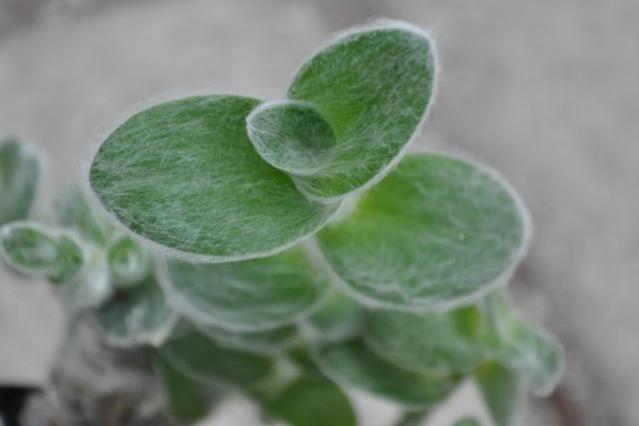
(228, 178)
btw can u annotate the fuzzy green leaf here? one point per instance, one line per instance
(373, 87)
(534, 353)
(136, 315)
(291, 136)
(353, 365)
(250, 295)
(187, 400)
(19, 176)
(41, 252)
(308, 402)
(128, 262)
(75, 209)
(502, 391)
(435, 233)
(202, 359)
(442, 344)
(262, 342)
(184, 175)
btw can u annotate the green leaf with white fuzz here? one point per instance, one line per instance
(40, 252)
(76, 210)
(136, 315)
(435, 233)
(201, 358)
(353, 365)
(186, 399)
(19, 177)
(373, 87)
(271, 341)
(184, 175)
(502, 391)
(128, 261)
(531, 351)
(442, 344)
(291, 136)
(250, 295)
(310, 402)
(92, 286)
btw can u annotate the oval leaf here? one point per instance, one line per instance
(308, 402)
(502, 391)
(442, 344)
(373, 86)
(250, 295)
(435, 233)
(184, 175)
(19, 176)
(41, 252)
(200, 358)
(353, 365)
(291, 136)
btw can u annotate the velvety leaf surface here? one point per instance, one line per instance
(74, 209)
(309, 402)
(136, 315)
(202, 359)
(441, 344)
(353, 365)
(434, 233)
(41, 252)
(187, 400)
(264, 342)
(373, 86)
(502, 391)
(19, 176)
(184, 174)
(291, 136)
(250, 295)
(531, 351)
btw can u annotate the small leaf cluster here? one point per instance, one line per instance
(294, 250)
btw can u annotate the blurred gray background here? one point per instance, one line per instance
(545, 91)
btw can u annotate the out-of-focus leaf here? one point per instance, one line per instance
(436, 232)
(202, 359)
(187, 400)
(353, 365)
(534, 353)
(136, 315)
(308, 402)
(373, 87)
(91, 286)
(251, 295)
(128, 262)
(184, 175)
(19, 177)
(503, 393)
(338, 318)
(264, 342)
(74, 209)
(442, 344)
(41, 252)
(413, 418)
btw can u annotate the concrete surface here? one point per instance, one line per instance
(544, 91)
